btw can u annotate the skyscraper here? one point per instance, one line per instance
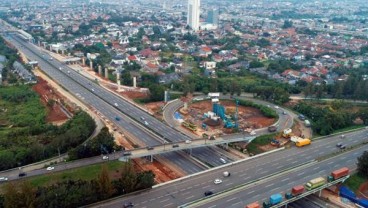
(193, 14)
(213, 16)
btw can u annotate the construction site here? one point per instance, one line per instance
(214, 117)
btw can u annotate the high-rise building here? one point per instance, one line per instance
(193, 14)
(213, 16)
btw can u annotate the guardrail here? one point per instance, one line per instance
(244, 185)
(311, 192)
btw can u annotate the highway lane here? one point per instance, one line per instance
(105, 108)
(192, 188)
(283, 183)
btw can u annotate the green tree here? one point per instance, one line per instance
(128, 180)
(105, 188)
(363, 164)
(11, 196)
(287, 24)
(28, 195)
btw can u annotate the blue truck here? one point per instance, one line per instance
(274, 199)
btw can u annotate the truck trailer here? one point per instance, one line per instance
(315, 183)
(302, 142)
(296, 190)
(338, 174)
(274, 199)
(253, 205)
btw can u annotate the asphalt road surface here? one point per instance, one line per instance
(92, 94)
(193, 188)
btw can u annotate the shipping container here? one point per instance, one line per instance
(296, 190)
(275, 199)
(339, 173)
(253, 205)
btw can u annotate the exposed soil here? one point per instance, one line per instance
(249, 117)
(57, 113)
(363, 190)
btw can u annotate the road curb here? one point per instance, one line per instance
(343, 132)
(216, 168)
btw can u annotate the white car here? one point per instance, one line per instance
(277, 107)
(223, 160)
(188, 141)
(3, 178)
(116, 104)
(218, 181)
(50, 168)
(105, 157)
(252, 133)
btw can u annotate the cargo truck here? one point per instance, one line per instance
(295, 191)
(338, 174)
(253, 205)
(302, 142)
(274, 199)
(315, 183)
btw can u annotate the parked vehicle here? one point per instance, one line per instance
(274, 199)
(253, 205)
(296, 190)
(307, 123)
(338, 174)
(315, 183)
(302, 142)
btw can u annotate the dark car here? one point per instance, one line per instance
(208, 193)
(128, 205)
(150, 148)
(22, 174)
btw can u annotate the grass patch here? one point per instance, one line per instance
(252, 148)
(354, 181)
(84, 173)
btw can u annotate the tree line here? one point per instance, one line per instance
(325, 120)
(76, 193)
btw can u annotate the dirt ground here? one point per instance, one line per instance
(363, 190)
(56, 114)
(249, 117)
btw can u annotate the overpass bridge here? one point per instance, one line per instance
(150, 151)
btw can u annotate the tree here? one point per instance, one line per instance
(27, 194)
(105, 188)
(363, 164)
(128, 180)
(11, 197)
(287, 24)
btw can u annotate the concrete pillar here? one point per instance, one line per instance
(39, 43)
(106, 73)
(83, 61)
(134, 82)
(99, 70)
(50, 47)
(44, 44)
(91, 64)
(62, 52)
(118, 79)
